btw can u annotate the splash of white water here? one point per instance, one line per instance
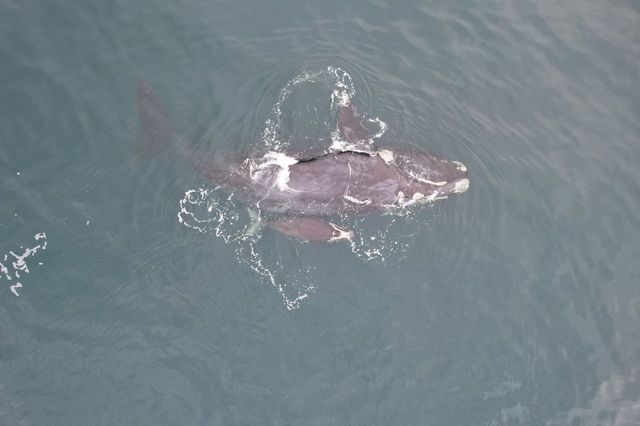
(13, 265)
(209, 212)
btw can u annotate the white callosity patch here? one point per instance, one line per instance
(419, 173)
(425, 180)
(19, 263)
(461, 186)
(402, 202)
(460, 166)
(417, 198)
(386, 155)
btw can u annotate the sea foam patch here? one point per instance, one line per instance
(15, 264)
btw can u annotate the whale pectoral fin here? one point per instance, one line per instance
(350, 124)
(255, 223)
(311, 229)
(157, 131)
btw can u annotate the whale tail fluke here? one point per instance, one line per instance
(157, 132)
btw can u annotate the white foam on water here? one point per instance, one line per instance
(273, 159)
(389, 237)
(210, 212)
(14, 268)
(341, 93)
(271, 133)
(14, 288)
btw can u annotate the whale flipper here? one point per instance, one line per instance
(350, 124)
(311, 229)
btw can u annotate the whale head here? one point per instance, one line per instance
(427, 177)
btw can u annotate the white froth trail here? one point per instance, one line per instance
(342, 93)
(271, 133)
(272, 159)
(212, 213)
(13, 265)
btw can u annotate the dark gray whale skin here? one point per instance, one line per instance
(347, 183)
(330, 184)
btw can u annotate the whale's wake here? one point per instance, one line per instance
(206, 211)
(213, 212)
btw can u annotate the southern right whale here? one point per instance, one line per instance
(302, 191)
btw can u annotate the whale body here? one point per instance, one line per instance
(301, 191)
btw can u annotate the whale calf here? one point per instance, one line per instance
(303, 191)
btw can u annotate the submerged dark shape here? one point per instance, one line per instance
(310, 229)
(303, 190)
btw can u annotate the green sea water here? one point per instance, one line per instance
(131, 294)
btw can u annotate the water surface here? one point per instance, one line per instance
(515, 303)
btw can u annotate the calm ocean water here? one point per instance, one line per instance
(130, 293)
